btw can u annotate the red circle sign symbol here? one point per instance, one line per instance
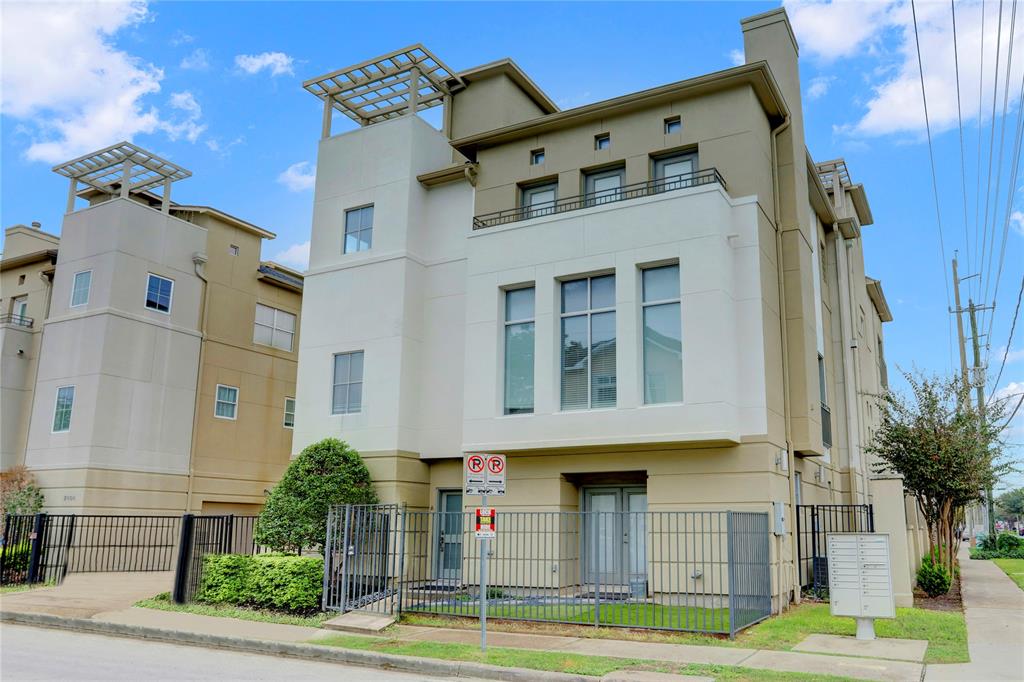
(475, 464)
(495, 465)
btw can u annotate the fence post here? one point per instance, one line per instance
(401, 560)
(799, 550)
(67, 546)
(184, 558)
(871, 518)
(35, 555)
(731, 572)
(345, 565)
(5, 541)
(229, 535)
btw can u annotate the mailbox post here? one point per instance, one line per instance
(860, 579)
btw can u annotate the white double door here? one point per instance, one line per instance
(615, 535)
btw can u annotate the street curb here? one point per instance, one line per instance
(310, 652)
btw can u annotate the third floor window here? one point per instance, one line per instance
(274, 327)
(358, 229)
(588, 343)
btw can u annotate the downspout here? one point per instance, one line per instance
(786, 408)
(854, 413)
(198, 262)
(48, 282)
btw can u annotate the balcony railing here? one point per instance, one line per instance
(19, 320)
(707, 176)
(826, 426)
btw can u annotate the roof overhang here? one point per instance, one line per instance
(861, 205)
(28, 259)
(453, 173)
(877, 297)
(225, 217)
(820, 200)
(509, 68)
(280, 276)
(757, 75)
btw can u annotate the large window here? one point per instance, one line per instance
(62, 409)
(663, 336)
(588, 343)
(289, 413)
(348, 383)
(226, 406)
(358, 229)
(274, 327)
(159, 291)
(539, 199)
(519, 349)
(603, 186)
(80, 288)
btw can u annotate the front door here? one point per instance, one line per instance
(615, 536)
(449, 535)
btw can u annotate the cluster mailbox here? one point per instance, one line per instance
(860, 579)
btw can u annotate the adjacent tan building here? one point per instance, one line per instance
(157, 359)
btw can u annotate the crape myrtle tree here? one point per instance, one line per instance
(947, 452)
(323, 475)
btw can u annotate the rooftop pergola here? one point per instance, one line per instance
(121, 169)
(396, 84)
(827, 170)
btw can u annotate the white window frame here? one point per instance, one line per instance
(71, 412)
(504, 356)
(361, 382)
(170, 297)
(21, 302)
(644, 305)
(589, 312)
(88, 289)
(275, 328)
(217, 400)
(345, 232)
(284, 422)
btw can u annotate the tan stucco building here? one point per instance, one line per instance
(653, 302)
(152, 365)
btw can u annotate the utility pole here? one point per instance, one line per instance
(980, 387)
(958, 311)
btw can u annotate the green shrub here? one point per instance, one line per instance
(1009, 542)
(325, 474)
(933, 577)
(999, 546)
(276, 581)
(986, 542)
(16, 557)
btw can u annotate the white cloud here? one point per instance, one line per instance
(188, 125)
(216, 146)
(181, 38)
(197, 60)
(298, 177)
(819, 86)
(737, 57)
(1017, 222)
(296, 255)
(77, 92)
(278, 63)
(884, 32)
(1014, 355)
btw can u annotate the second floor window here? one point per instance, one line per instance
(80, 288)
(826, 413)
(347, 395)
(358, 229)
(226, 406)
(20, 307)
(519, 350)
(274, 327)
(158, 293)
(289, 413)
(62, 409)
(663, 341)
(588, 343)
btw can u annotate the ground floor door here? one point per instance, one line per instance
(448, 563)
(615, 537)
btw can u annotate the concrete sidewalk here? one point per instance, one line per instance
(994, 611)
(83, 595)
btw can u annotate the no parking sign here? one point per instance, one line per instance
(485, 474)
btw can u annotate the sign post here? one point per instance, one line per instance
(485, 475)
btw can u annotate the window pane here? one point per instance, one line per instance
(226, 393)
(352, 242)
(671, 167)
(574, 296)
(80, 292)
(602, 353)
(365, 239)
(602, 292)
(574, 363)
(519, 304)
(519, 350)
(355, 397)
(663, 354)
(352, 221)
(608, 182)
(356, 373)
(340, 399)
(264, 314)
(341, 362)
(263, 335)
(540, 197)
(63, 407)
(158, 294)
(285, 321)
(282, 340)
(366, 217)
(661, 284)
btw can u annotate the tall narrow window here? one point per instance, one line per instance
(358, 229)
(159, 291)
(80, 288)
(348, 383)
(663, 336)
(273, 327)
(62, 409)
(826, 413)
(289, 413)
(519, 350)
(588, 343)
(226, 406)
(20, 309)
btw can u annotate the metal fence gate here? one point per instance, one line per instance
(689, 571)
(46, 547)
(204, 535)
(813, 523)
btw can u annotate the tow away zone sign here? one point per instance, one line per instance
(484, 474)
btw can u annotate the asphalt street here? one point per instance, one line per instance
(28, 653)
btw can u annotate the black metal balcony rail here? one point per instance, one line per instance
(19, 320)
(826, 426)
(706, 176)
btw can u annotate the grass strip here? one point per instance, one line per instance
(1013, 568)
(163, 602)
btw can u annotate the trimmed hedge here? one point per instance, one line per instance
(275, 581)
(1002, 546)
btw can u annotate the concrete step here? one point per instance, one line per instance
(360, 622)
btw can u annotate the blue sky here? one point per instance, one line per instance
(216, 87)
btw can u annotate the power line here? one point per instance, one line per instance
(960, 123)
(1009, 342)
(991, 145)
(977, 191)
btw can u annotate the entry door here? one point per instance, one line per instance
(615, 536)
(449, 537)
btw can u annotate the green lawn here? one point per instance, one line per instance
(561, 662)
(7, 589)
(636, 615)
(162, 602)
(1013, 568)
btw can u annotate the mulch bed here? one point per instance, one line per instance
(951, 601)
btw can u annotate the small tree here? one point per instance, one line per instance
(1010, 505)
(19, 493)
(947, 452)
(323, 475)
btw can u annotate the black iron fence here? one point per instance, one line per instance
(813, 523)
(690, 571)
(46, 547)
(706, 176)
(204, 535)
